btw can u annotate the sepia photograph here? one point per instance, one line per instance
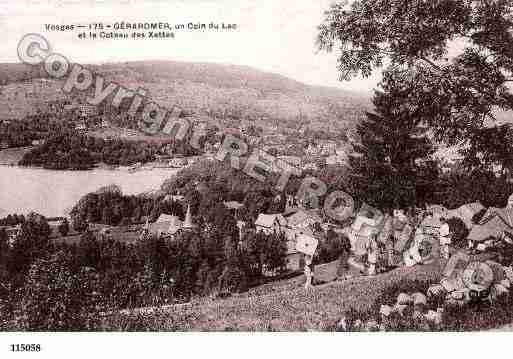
(307, 167)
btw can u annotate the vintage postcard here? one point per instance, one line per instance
(255, 166)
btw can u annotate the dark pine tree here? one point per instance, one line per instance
(391, 166)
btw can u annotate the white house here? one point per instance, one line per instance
(270, 223)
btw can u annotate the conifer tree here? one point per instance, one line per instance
(391, 163)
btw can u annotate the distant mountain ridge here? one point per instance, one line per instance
(221, 90)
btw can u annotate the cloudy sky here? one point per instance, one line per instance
(273, 35)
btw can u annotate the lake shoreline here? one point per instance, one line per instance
(10, 157)
(53, 193)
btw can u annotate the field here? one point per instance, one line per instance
(282, 306)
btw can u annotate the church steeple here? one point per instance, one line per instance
(187, 224)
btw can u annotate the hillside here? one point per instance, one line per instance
(223, 91)
(282, 306)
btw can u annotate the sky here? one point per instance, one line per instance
(272, 35)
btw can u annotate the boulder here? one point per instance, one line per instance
(499, 273)
(342, 325)
(404, 299)
(399, 309)
(436, 291)
(385, 310)
(357, 325)
(461, 294)
(508, 271)
(434, 317)
(481, 247)
(417, 314)
(371, 326)
(452, 284)
(419, 299)
(455, 302)
(505, 283)
(498, 291)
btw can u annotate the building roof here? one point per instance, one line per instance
(303, 218)
(466, 212)
(166, 224)
(268, 220)
(505, 214)
(233, 205)
(165, 218)
(493, 227)
(437, 210)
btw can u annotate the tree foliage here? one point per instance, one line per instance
(459, 54)
(392, 159)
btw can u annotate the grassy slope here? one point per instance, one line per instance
(199, 87)
(285, 305)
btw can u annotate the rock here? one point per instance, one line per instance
(357, 325)
(460, 294)
(419, 299)
(481, 247)
(508, 271)
(342, 325)
(434, 317)
(404, 299)
(498, 271)
(399, 309)
(436, 290)
(455, 302)
(505, 283)
(371, 326)
(385, 310)
(498, 291)
(452, 284)
(489, 243)
(417, 314)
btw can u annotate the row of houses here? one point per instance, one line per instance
(301, 223)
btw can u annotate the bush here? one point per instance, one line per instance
(459, 231)
(476, 218)
(331, 247)
(55, 298)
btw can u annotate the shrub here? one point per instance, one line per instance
(459, 231)
(478, 216)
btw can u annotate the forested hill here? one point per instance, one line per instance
(222, 90)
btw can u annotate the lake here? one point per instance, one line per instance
(53, 193)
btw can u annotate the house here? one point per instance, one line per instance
(166, 224)
(270, 223)
(495, 223)
(492, 226)
(303, 219)
(310, 167)
(505, 214)
(293, 160)
(335, 160)
(174, 198)
(54, 225)
(104, 123)
(80, 126)
(233, 205)
(466, 212)
(86, 110)
(12, 233)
